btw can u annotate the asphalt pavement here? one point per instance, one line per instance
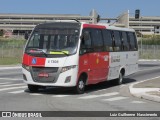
(147, 89)
(14, 94)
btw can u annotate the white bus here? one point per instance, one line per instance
(74, 54)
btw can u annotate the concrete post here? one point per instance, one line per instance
(94, 16)
(124, 19)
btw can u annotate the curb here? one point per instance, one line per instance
(142, 92)
(150, 97)
(149, 60)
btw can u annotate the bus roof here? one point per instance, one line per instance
(102, 25)
(107, 26)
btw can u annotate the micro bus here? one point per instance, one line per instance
(75, 54)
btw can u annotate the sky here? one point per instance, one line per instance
(106, 8)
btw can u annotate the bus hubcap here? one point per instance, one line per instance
(81, 85)
(120, 78)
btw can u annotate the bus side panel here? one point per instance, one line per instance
(126, 60)
(132, 62)
(116, 60)
(95, 65)
(102, 64)
(84, 66)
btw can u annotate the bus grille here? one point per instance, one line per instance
(44, 74)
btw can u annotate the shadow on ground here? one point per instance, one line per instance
(88, 89)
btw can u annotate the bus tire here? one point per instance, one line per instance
(119, 80)
(33, 88)
(80, 87)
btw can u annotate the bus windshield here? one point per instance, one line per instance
(54, 41)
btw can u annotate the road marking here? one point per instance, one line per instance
(5, 83)
(148, 69)
(16, 92)
(17, 79)
(10, 73)
(115, 99)
(10, 88)
(138, 102)
(100, 90)
(88, 97)
(6, 68)
(146, 60)
(60, 96)
(36, 94)
(102, 95)
(121, 86)
(12, 85)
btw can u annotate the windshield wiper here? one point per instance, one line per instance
(61, 52)
(35, 50)
(44, 53)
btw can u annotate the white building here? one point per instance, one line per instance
(20, 23)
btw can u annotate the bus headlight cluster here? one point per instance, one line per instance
(68, 68)
(26, 67)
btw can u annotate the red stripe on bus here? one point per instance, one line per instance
(93, 26)
(28, 60)
(95, 65)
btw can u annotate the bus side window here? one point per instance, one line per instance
(135, 40)
(117, 41)
(132, 41)
(85, 41)
(125, 41)
(97, 40)
(107, 40)
(122, 41)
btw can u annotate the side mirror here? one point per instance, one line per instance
(26, 36)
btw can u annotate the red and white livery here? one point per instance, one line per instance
(74, 54)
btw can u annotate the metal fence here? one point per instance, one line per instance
(16, 51)
(11, 51)
(149, 51)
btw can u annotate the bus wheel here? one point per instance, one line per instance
(80, 87)
(119, 80)
(33, 88)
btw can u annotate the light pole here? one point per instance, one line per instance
(137, 16)
(141, 34)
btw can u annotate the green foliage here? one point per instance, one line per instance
(11, 51)
(10, 61)
(152, 40)
(13, 42)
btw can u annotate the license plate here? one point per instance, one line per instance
(43, 75)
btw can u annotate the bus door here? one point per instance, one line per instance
(85, 59)
(99, 58)
(98, 66)
(92, 58)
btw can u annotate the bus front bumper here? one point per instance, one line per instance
(65, 79)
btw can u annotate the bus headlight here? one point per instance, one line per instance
(26, 67)
(64, 69)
